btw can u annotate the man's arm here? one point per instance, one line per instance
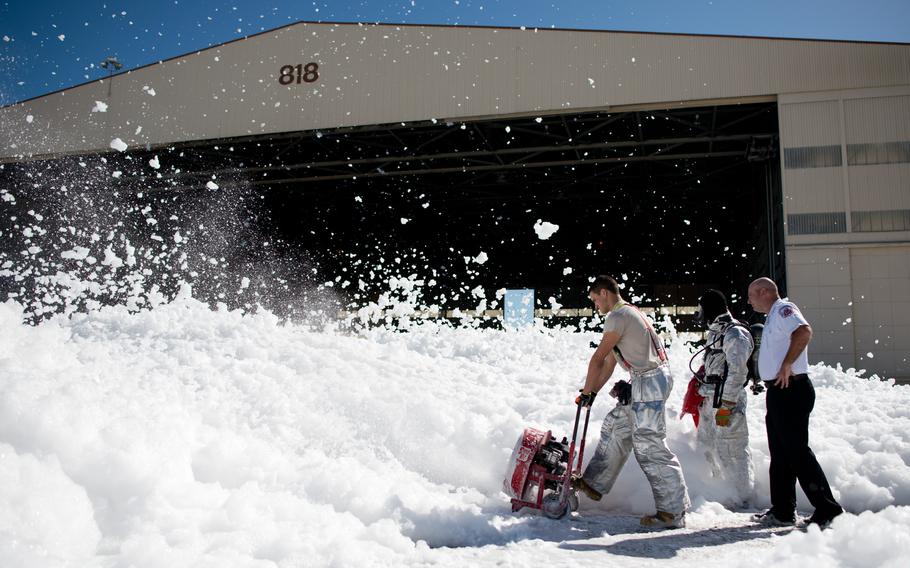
(602, 363)
(799, 340)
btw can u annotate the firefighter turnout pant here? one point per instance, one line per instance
(640, 428)
(727, 448)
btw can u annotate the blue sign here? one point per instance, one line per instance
(519, 308)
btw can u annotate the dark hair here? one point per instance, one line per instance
(604, 282)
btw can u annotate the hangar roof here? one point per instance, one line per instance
(320, 76)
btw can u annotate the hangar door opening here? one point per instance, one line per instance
(671, 201)
(675, 200)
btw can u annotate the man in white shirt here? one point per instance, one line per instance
(784, 365)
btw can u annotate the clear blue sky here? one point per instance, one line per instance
(48, 45)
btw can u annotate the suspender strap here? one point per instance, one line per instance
(621, 359)
(655, 339)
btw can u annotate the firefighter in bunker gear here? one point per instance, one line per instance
(638, 426)
(722, 432)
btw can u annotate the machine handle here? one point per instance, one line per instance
(581, 445)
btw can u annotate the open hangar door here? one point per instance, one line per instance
(675, 200)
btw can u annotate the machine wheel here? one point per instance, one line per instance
(553, 508)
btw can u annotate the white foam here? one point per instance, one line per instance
(545, 229)
(119, 145)
(218, 436)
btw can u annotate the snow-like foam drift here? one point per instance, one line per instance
(165, 406)
(186, 436)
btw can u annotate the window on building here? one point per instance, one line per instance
(812, 157)
(869, 221)
(816, 223)
(880, 153)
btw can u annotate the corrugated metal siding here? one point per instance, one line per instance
(878, 154)
(814, 190)
(877, 119)
(815, 123)
(810, 136)
(881, 309)
(867, 307)
(819, 281)
(381, 74)
(879, 187)
(876, 144)
(857, 301)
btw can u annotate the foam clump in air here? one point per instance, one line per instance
(545, 229)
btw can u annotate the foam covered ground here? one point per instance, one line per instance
(184, 436)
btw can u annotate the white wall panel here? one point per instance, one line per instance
(814, 190)
(877, 119)
(881, 306)
(880, 187)
(857, 300)
(819, 282)
(814, 123)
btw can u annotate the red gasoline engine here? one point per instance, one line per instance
(540, 470)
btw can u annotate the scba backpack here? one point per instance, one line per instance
(752, 379)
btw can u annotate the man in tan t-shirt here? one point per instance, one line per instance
(637, 423)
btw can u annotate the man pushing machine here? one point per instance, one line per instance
(637, 423)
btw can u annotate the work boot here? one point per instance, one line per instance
(770, 519)
(664, 520)
(579, 484)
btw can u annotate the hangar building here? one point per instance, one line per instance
(684, 160)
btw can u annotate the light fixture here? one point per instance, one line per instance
(112, 65)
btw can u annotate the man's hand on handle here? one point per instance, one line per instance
(586, 399)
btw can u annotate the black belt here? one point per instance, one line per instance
(799, 377)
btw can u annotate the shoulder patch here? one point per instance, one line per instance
(785, 311)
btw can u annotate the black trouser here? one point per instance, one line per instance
(787, 422)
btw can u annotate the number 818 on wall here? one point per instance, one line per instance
(299, 73)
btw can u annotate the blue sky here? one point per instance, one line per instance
(48, 45)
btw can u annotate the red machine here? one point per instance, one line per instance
(540, 469)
